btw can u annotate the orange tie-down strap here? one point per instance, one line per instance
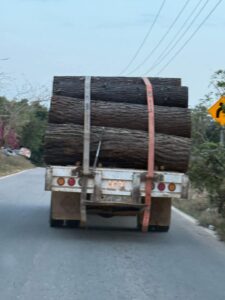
(151, 155)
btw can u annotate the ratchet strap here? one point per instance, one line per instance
(151, 155)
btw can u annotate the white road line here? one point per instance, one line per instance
(194, 221)
(17, 173)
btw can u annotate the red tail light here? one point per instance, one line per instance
(161, 186)
(71, 181)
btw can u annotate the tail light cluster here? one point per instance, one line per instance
(161, 186)
(70, 181)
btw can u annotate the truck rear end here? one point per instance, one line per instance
(111, 192)
(100, 179)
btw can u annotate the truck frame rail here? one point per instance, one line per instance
(127, 185)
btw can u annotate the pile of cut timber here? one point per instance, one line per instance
(119, 117)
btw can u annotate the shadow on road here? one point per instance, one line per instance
(31, 222)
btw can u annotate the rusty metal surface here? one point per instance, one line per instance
(124, 178)
(65, 206)
(48, 179)
(136, 191)
(160, 211)
(96, 196)
(185, 187)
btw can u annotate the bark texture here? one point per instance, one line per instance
(167, 92)
(120, 147)
(168, 120)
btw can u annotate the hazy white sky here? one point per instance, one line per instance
(43, 38)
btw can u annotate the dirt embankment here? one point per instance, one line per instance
(199, 206)
(13, 164)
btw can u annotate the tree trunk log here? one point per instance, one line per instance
(120, 147)
(168, 120)
(167, 92)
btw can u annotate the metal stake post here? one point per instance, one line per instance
(86, 148)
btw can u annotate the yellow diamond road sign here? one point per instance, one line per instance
(217, 111)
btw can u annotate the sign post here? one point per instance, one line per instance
(217, 111)
(222, 135)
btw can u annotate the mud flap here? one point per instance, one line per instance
(160, 215)
(65, 206)
(160, 211)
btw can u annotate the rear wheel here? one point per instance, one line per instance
(139, 222)
(56, 223)
(152, 228)
(73, 223)
(157, 228)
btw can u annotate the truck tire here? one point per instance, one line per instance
(56, 223)
(139, 222)
(158, 228)
(73, 223)
(152, 228)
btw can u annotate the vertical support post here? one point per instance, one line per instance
(222, 129)
(86, 148)
(151, 155)
(87, 125)
(136, 192)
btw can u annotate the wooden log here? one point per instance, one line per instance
(168, 120)
(120, 147)
(167, 92)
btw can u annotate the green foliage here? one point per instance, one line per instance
(207, 171)
(33, 132)
(207, 166)
(12, 164)
(28, 120)
(204, 128)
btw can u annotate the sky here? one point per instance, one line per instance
(44, 38)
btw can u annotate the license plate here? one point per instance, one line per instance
(116, 184)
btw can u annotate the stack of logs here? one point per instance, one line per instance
(119, 117)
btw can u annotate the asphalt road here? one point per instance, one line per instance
(111, 260)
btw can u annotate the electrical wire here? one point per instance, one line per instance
(162, 39)
(178, 36)
(145, 38)
(191, 36)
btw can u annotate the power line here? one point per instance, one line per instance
(190, 38)
(145, 38)
(179, 35)
(162, 39)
